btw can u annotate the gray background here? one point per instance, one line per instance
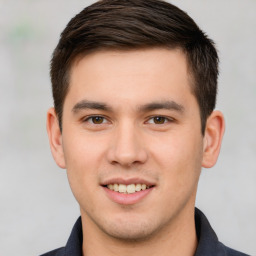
(37, 209)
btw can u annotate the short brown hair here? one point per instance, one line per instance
(135, 24)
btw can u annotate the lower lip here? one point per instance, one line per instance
(127, 199)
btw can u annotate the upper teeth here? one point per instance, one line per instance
(131, 188)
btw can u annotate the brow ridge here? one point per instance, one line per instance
(169, 105)
(86, 104)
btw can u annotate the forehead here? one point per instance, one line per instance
(154, 55)
(134, 74)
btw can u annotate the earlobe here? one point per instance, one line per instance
(214, 131)
(55, 137)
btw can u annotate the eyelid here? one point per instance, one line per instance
(106, 120)
(89, 117)
(167, 119)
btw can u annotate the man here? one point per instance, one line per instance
(134, 85)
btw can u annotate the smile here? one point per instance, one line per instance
(127, 189)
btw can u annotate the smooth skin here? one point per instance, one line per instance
(132, 115)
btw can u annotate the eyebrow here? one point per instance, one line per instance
(86, 104)
(169, 105)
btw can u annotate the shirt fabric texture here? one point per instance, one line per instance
(208, 243)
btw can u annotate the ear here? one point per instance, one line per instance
(214, 130)
(55, 138)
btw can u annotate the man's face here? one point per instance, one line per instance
(131, 119)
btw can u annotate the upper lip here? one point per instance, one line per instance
(127, 181)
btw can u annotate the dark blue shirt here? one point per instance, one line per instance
(208, 243)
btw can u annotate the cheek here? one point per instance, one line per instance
(83, 161)
(83, 151)
(179, 158)
(173, 148)
(179, 169)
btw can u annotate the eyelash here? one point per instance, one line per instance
(87, 119)
(104, 120)
(166, 120)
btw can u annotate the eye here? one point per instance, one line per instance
(96, 120)
(158, 120)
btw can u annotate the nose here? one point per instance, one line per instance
(127, 147)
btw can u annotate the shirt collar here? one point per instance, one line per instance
(208, 243)
(75, 241)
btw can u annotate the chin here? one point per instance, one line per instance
(130, 231)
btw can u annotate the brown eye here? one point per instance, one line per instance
(96, 120)
(159, 120)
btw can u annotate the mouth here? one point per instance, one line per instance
(128, 189)
(128, 192)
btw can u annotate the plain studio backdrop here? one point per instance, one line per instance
(37, 208)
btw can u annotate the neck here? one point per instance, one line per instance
(178, 238)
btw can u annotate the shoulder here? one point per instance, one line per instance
(230, 252)
(74, 244)
(56, 252)
(208, 242)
